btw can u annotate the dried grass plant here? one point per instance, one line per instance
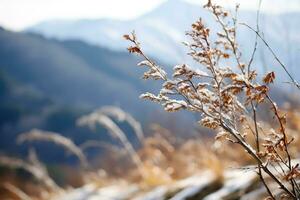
(40, 135)
(98, 118)
(181, 159)
(122, 116)
(34, 167)
(227, 97)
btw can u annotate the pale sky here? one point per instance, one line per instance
(18, 14)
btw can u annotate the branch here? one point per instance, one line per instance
(274, 55)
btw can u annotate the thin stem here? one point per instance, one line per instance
(274, 55)
(252, 153)
(258, 150)
(256, 37)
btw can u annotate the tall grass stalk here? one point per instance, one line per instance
(121, 116)
(94, 118)
(37, 170)
(68, 144)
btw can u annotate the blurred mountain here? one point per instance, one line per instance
(162, 30)
(48, 84)
(61, 69)
(159, 30)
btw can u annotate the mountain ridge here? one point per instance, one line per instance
(162, 30)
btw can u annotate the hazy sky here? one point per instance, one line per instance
(17, 14)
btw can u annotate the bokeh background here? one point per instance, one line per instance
(61, 59)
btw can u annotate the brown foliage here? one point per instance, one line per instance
(228, 97)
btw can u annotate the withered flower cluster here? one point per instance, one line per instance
(227, 97)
